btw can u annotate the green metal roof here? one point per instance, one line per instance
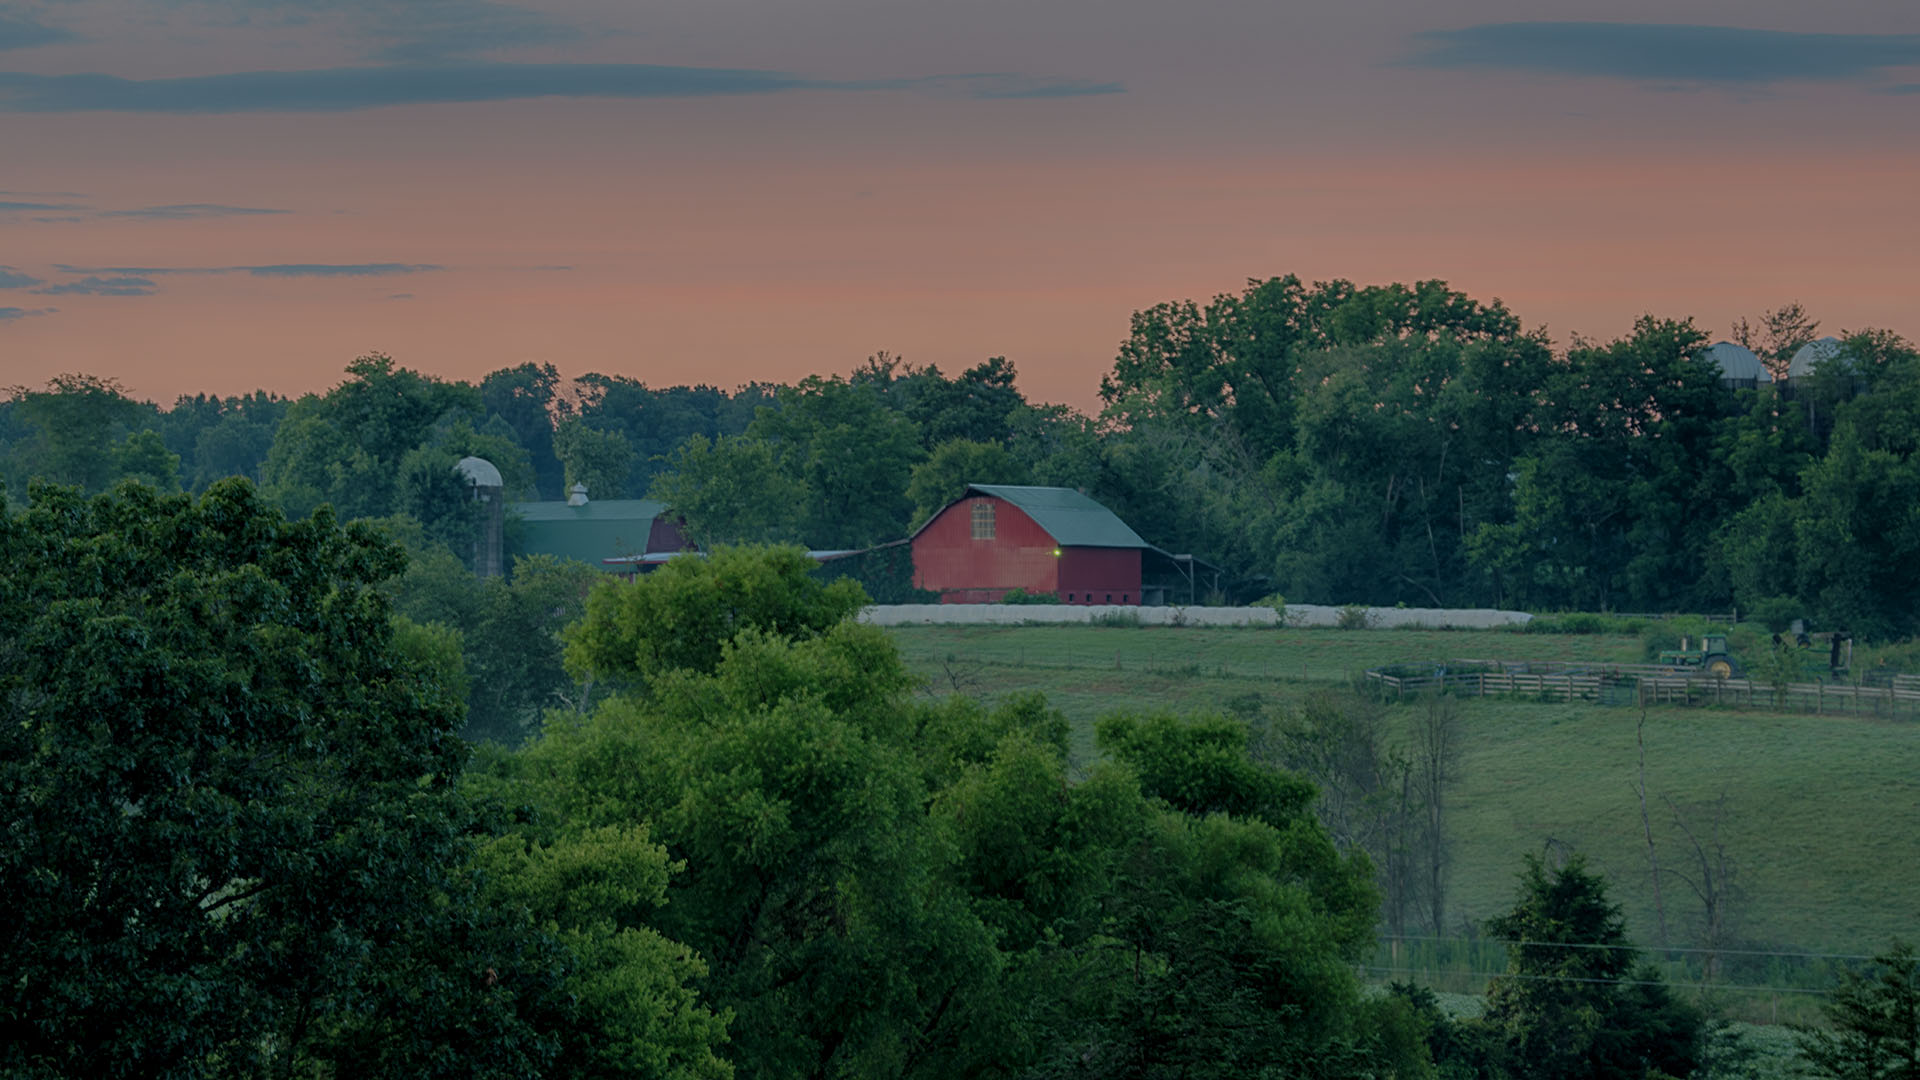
(599, 530)
(1071, 518)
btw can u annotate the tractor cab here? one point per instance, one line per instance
(1711, 657)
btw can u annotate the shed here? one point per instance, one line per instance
(1001, 537)
(599, 532)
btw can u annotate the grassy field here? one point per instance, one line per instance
(1088, 671)
(1821, 824)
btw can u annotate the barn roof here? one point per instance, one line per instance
(589, 532)
(1071, 518)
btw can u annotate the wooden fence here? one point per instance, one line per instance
(1651, 684)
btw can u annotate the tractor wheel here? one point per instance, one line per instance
(1719, 665)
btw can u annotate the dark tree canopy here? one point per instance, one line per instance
(233, 804)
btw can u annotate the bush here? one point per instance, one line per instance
(1129, 619)
(1022, 596)
(1355, 617)
(1776, 613)
(1899, 656)
(1582, 622)
(1275, 601)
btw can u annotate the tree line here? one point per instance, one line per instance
(1326, 442)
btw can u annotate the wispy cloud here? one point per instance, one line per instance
(1014, 87)
(19, 33)
(95, 285)
(190, 211)
(1668, 54)
(14, 279)
(347, 89)
(292, 270)
(272, 270)
(8, 314)
(425, 30)
(25, 207)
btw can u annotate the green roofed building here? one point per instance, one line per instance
(604, 533)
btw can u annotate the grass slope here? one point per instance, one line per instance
(1822, 821)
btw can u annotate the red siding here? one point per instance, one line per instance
(667, 536)
(1092, 575)
(948, 560)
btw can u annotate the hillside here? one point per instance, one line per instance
(1821, 813)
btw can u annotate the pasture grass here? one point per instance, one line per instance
(1821, 827)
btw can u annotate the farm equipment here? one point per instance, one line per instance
(1825, 657)
(1711, 658)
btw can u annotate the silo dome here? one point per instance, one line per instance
(1812, 355)
(1738, 364)
(479, 472)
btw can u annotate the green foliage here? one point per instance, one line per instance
(435, 648)
(731, 491)
(952, 465)
(599, 459)
(851, 454)
(1574, 1001)
(630, 1000)
(884, 885)
(1776, 613)
(885, 573)
(1201, 766)
(527, 400)
(350, 447)
(1354, 617)
(145, 457)
(684, 616)
(72, 425)
(1873, 1023)
(1583, 622)
(1021, 596)
(508, 633)
(243, 848)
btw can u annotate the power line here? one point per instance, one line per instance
(1615, 982)
(1634, 948)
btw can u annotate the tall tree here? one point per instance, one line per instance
(237, 847)
(1873, 1020)
(944, 476)
(599, 459)
(527, 398)
(731, 491)
(74, 422)
(1573, 1002)
(853, 454)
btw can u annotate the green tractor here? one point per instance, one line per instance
(1711, 658)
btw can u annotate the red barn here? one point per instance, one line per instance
(1000, 537)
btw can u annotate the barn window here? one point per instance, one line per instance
(1109, 598)
(983, 520)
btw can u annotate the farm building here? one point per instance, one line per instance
(1740, 369)
(999, 537)
(603, 533)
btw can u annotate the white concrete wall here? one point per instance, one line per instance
(1297, 615)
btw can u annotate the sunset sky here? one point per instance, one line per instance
(225, 195)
